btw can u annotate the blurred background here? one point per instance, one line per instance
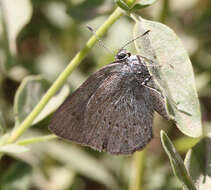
(39, 37)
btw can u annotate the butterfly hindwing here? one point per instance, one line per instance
(120, 113)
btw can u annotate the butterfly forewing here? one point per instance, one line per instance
(68, 120)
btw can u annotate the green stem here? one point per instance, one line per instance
(18, 131)
(165, 11)
(137, 170)
(36, 139)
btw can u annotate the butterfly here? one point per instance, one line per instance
(112, 110)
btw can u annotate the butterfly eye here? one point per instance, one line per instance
(121, 56)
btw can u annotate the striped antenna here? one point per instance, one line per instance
(99, 40)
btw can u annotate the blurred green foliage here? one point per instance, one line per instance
(39, 38)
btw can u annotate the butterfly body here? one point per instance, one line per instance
(113, 109)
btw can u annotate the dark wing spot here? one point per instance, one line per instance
(105, 143)
(77, 118)
(126, 141)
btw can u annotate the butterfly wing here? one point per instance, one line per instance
(158, 101)
(121, 114)
(109, 112)
(68, 120)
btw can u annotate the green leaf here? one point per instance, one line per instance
(122, 5)
(85, 10)
(29, 94)
(198, 164)
(16, 177)
(13, 149)
(142, 4)
(183, 144)
(16, 19)
(4, 138)
(175, 79)
(176, 162)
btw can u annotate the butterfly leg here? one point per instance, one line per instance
(146, 80)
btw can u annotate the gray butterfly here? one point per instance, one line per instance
(112, 110)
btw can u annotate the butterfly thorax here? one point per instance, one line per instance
(134, 67)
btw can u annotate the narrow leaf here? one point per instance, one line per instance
(198, 164)
(16, 19)
(176, 162)
(122, 5)
(13, 149)
(175, 77)
(142, 4)
(4, 138)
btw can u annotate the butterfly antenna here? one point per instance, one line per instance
(99, 40)
(135, 39)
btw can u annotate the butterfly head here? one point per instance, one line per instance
(122, 55)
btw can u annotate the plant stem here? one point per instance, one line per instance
(36, 139)
(137, 170)
(18, 131)
(165, 11)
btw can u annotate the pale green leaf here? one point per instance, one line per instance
(176, 162)
(198, 164)
(142, 4)
(175, 79)
(122, 5)
(4, 138)
(13, 149)
(30, 93)
(17, 15)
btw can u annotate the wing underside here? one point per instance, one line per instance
(121, 117)
(107, 113)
